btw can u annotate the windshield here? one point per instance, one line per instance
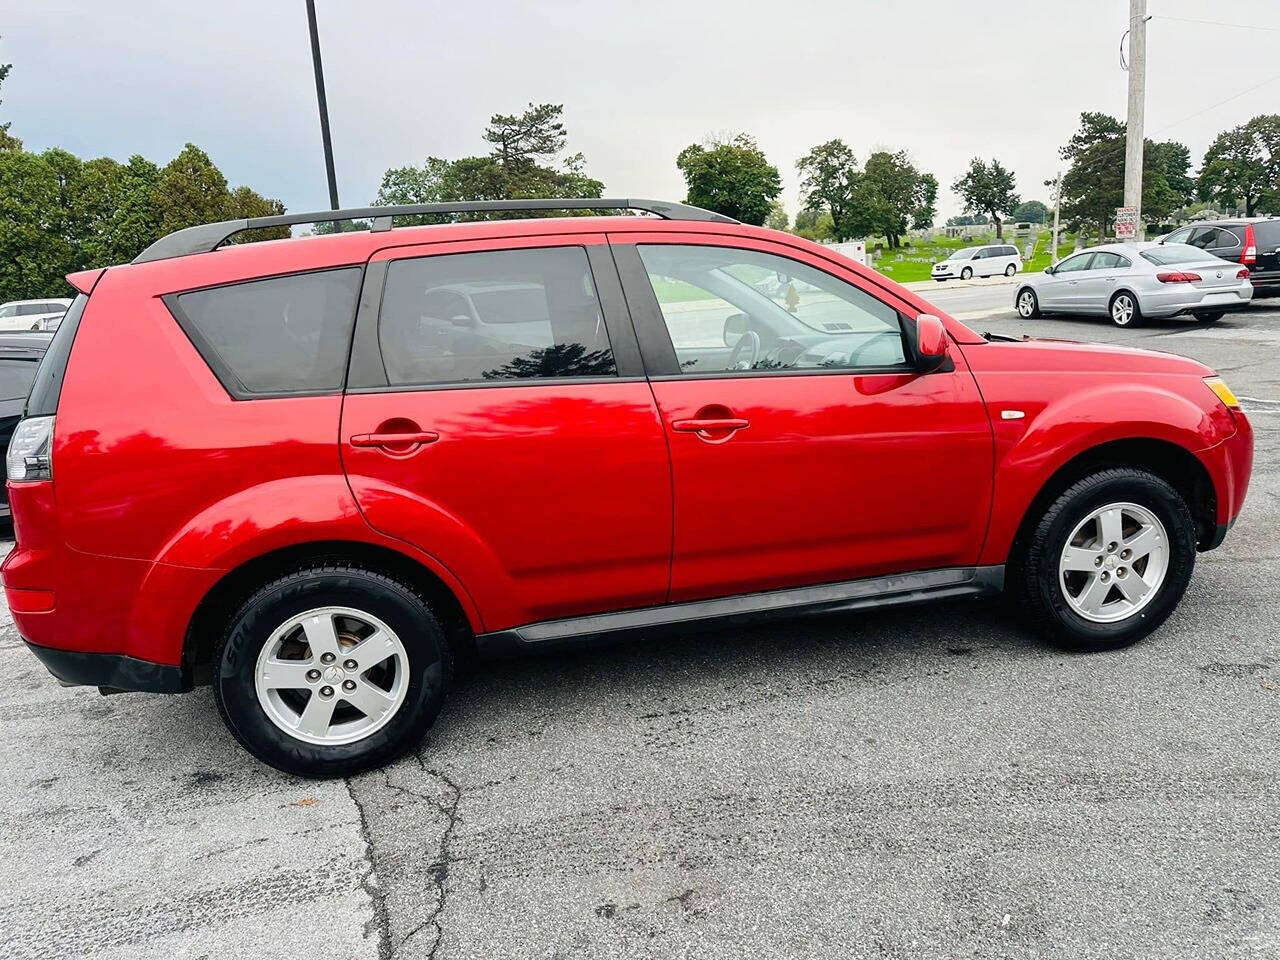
(1172, 253)
(965, 254)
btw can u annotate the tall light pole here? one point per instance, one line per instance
(1137, 110)
(1057, 210)
(324, 107)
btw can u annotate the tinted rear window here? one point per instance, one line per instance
(277, 336)
(16, 377)
(1172, 253)
(1266, 233)
(46, 389)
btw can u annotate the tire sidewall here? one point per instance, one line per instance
(1130, 487)
(1134, 318)
(1035, 303)
(966, 273)
(393, 604)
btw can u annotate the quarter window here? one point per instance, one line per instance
(1104, 260)
(728, 310)
(499, 315)
(276, 336)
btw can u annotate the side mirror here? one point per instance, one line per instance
(735, 326)
(931, 343)
(1049, 270)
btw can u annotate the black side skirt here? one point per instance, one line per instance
(749, 608)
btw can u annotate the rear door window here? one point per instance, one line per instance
(278, 336)
(497, 315)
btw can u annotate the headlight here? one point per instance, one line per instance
(1222, 391)
(30, 450)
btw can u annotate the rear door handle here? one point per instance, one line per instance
(709, 424)
(394, 439)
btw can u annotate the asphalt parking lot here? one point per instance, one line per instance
(928, 782)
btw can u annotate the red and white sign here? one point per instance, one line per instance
(1126, 223)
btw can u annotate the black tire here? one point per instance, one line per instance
(1135, 313)
(396, 604)
(1022, 304)
(966, 273)
(1010, 270)
(1034, 578)
(1209, 316)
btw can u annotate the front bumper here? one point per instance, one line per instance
(110, 672)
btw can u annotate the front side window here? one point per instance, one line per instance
(1074, 264)
(728, 309)
(530, 314)
(286, 334)
(8, 310)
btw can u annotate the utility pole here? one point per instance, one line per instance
(324, 108)
(1057, 212)
(1137, 110)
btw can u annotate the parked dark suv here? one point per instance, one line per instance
(1254, 242)
(309, 470)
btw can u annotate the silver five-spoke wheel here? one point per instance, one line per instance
(332, 675)
(1114, 562)
(1026, 304)
(1122, 308)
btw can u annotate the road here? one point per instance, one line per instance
(927, 782)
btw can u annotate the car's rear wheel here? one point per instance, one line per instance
(1107, 562)
(966, 273)
(332, 670)
(1209, 316)
(1010, 270)
(1028, 304)
(1124, 310)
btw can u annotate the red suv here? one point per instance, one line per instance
(312, 471)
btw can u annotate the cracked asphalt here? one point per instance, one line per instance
(926, 782)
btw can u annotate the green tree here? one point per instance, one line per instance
(1093, 185)
(1030, 211)
(892, 197)
(988, 188)
(191, 190)
(829, 175)
(115, 205)
(34, 258)
(815, 225)
(7, 140)
(968, 220)
(247, 202)
(1242, 166)
(777, 218)
(731, 177)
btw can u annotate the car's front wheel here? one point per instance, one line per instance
(1028, 304)
(1124, 310)
(1107, 562)
(332, 670)
(966, 273)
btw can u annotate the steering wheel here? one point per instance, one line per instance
(853, 357)
(749, 340)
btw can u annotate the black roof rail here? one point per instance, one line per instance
(209, 236)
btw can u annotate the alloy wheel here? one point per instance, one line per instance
(1122, 310)
(1026, 304)
(332, 675)
(1114, 562)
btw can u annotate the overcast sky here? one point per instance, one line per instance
(639, 81)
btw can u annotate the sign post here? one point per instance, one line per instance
(1127, 223)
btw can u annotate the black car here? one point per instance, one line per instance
(19, 355)
(1254, 241)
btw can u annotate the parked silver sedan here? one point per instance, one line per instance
(1130, 282)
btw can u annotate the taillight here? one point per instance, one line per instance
(30, 450)
(1250, 254)
(1178, 277)
(1243, 274)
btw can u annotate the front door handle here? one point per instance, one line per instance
(709, 424)
(394, 439)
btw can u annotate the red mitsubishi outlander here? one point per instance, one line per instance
(310, 471)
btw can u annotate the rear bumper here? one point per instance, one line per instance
(1184, 298)
(110, 671)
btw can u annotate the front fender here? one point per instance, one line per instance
(1029, 451)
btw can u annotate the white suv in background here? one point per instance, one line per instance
(979, 262)
(33, 314)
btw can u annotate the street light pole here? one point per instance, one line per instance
(324, 107)
(1137, 109)
(1057, 210)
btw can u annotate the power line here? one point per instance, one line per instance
(1216, 23)
(1234, 96)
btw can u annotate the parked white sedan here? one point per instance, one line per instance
(1130, 282)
